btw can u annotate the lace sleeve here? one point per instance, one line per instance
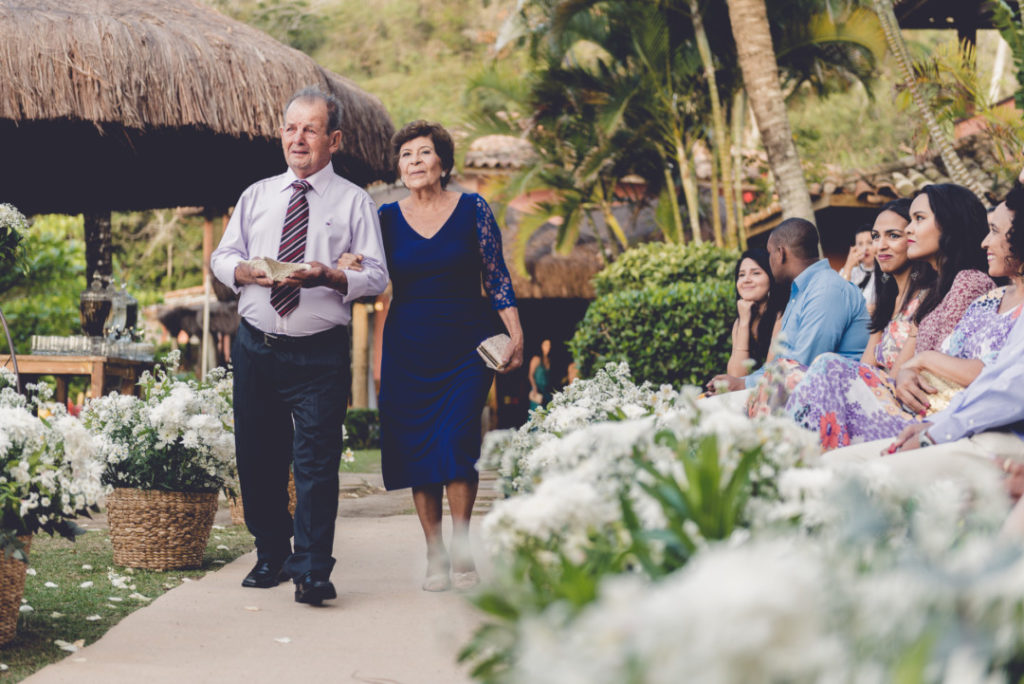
(497, 281)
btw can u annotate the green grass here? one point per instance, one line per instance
(367, 461)
(62, 612)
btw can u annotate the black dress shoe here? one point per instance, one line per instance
(265, 574)
(313, 591)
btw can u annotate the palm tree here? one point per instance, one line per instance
(954, 166)
(658, 77)
(722, 155)
(756, 54)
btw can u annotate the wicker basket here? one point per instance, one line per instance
(12, 588)
(160, 530)
(238, 510)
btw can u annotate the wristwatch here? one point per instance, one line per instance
(924, 439)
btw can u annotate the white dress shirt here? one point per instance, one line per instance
(342, 218)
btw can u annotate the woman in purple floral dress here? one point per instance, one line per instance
(847, 404)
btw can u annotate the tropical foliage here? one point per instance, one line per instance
(646, 88)
(666, 310)
(42, 298)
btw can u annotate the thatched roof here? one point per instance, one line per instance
(502, 152)
(132, 104)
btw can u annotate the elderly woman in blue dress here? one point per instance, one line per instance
(439, 244)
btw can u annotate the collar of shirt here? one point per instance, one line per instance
(801, 281)
(319, 180)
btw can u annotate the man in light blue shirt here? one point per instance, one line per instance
(825, 313)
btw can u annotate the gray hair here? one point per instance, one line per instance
(333, 105)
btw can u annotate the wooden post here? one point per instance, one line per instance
(98, 247)
(206, 348)
(360, 356)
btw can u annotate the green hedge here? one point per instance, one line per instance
(677, 334)
(363, 429)
(661, 264)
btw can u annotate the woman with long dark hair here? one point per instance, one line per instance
(759, 306)
(899, 287)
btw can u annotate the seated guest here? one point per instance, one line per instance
(900, 286)
(759, 308)
(824, 314)
(860, 265)
(847, 404)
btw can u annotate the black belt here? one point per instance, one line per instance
(329, 337)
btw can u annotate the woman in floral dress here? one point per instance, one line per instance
(847, 404)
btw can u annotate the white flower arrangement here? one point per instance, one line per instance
(48, 471)
(178, 437)
(897, 577)
(13, 226)
(840, 574)
(568, 481)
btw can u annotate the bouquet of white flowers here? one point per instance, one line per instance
(178, 437)
(48, 474)
(13, 225)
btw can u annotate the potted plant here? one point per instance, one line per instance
(166, 455)
(48, 476)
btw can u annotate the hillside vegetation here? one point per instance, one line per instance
(415, 55)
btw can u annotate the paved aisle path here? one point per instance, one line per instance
(383, 629)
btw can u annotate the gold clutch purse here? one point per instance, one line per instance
(492, 350)
(946, 391)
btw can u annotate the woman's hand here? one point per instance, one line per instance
(730, 382)
(513, 357)
(912, 390)
(350, 262)
(743, 309)
(909, 439)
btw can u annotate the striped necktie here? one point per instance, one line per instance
(283, 298)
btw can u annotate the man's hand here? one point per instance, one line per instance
(853, 257)
(318, 275)
(732, 383)
(247, 275)
(912, 390)
(909, 439)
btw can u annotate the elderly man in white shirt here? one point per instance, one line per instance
(290, 357)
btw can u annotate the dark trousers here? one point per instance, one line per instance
(290, 397)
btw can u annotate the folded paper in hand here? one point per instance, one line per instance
(275, 270)
(492, 350)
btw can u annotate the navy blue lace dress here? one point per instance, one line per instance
(433, 384)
